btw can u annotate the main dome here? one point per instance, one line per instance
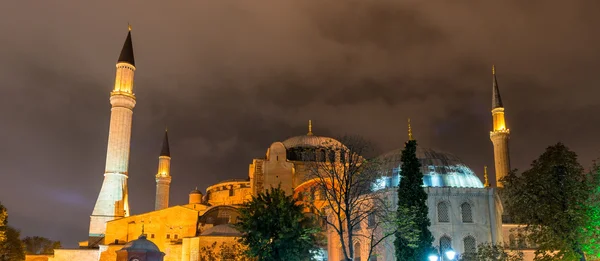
(440, 169)
(311, 141)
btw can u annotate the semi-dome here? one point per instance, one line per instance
(440, 169)
(222, 230)
(141, 244)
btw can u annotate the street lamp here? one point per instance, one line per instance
(437, 255)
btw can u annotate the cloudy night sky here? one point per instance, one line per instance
(228, 78)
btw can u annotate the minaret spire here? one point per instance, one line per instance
(165, 151)
(163, 175)
(127, 50)
(500, 134)
(410, 135)
(496, 99)
(309, 128)
(113, 202)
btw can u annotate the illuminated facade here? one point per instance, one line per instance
(463, 211)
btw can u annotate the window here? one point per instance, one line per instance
(511, 241)
(231, 192)
(371, 219)
(331, 155)
(168, 236)
(521, 243)
(175, 236)
(443, 215)
(470, 244)
(467, 214)
(357, 252)
(445, 243)
(151, 235)
(322, 155)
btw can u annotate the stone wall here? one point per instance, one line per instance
(37, 257)
(75, 254)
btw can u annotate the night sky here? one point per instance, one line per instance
(228, 78)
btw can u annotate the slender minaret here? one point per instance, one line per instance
(112, 201)
(499, 134)
(163, 176)
(410, 136)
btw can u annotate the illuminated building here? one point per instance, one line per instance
(463, 211)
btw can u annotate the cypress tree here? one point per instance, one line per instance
(413, 239)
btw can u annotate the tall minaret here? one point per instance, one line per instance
(163, 176)
(112, 201)
(499, 134)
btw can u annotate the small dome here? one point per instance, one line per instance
(221, 230)
(196, 191)
(440, 169)
(141, 244)
(311, 141)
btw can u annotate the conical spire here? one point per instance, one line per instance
(127, 51)
(165, 146)
(496, 99)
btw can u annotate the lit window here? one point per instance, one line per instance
(443, 215)
(467, 214)
(470, 244)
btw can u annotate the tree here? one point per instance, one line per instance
(343, 179)
(233, 252)
(12, 249)
(554, 199)
(40, 245)
(412, 209)
(3, 222)
(492, 252)
(274, 227)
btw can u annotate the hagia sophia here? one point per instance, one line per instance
(464, 211)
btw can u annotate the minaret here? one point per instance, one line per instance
(410, 136)
(163, 176)
(112, 201)
(499, 134)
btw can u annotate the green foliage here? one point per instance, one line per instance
(413, 239)
(492, 252)
(275, 228)
(557, 201)
(12, 249)
(232, 252)
(40, 245)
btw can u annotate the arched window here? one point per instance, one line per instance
(445, 244)
(470, 244)
(512, 243)
(322, 155)
(467, 214)
(331, 155)
(443, 215)
(357, 252)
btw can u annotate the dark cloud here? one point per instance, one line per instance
(229, 78)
